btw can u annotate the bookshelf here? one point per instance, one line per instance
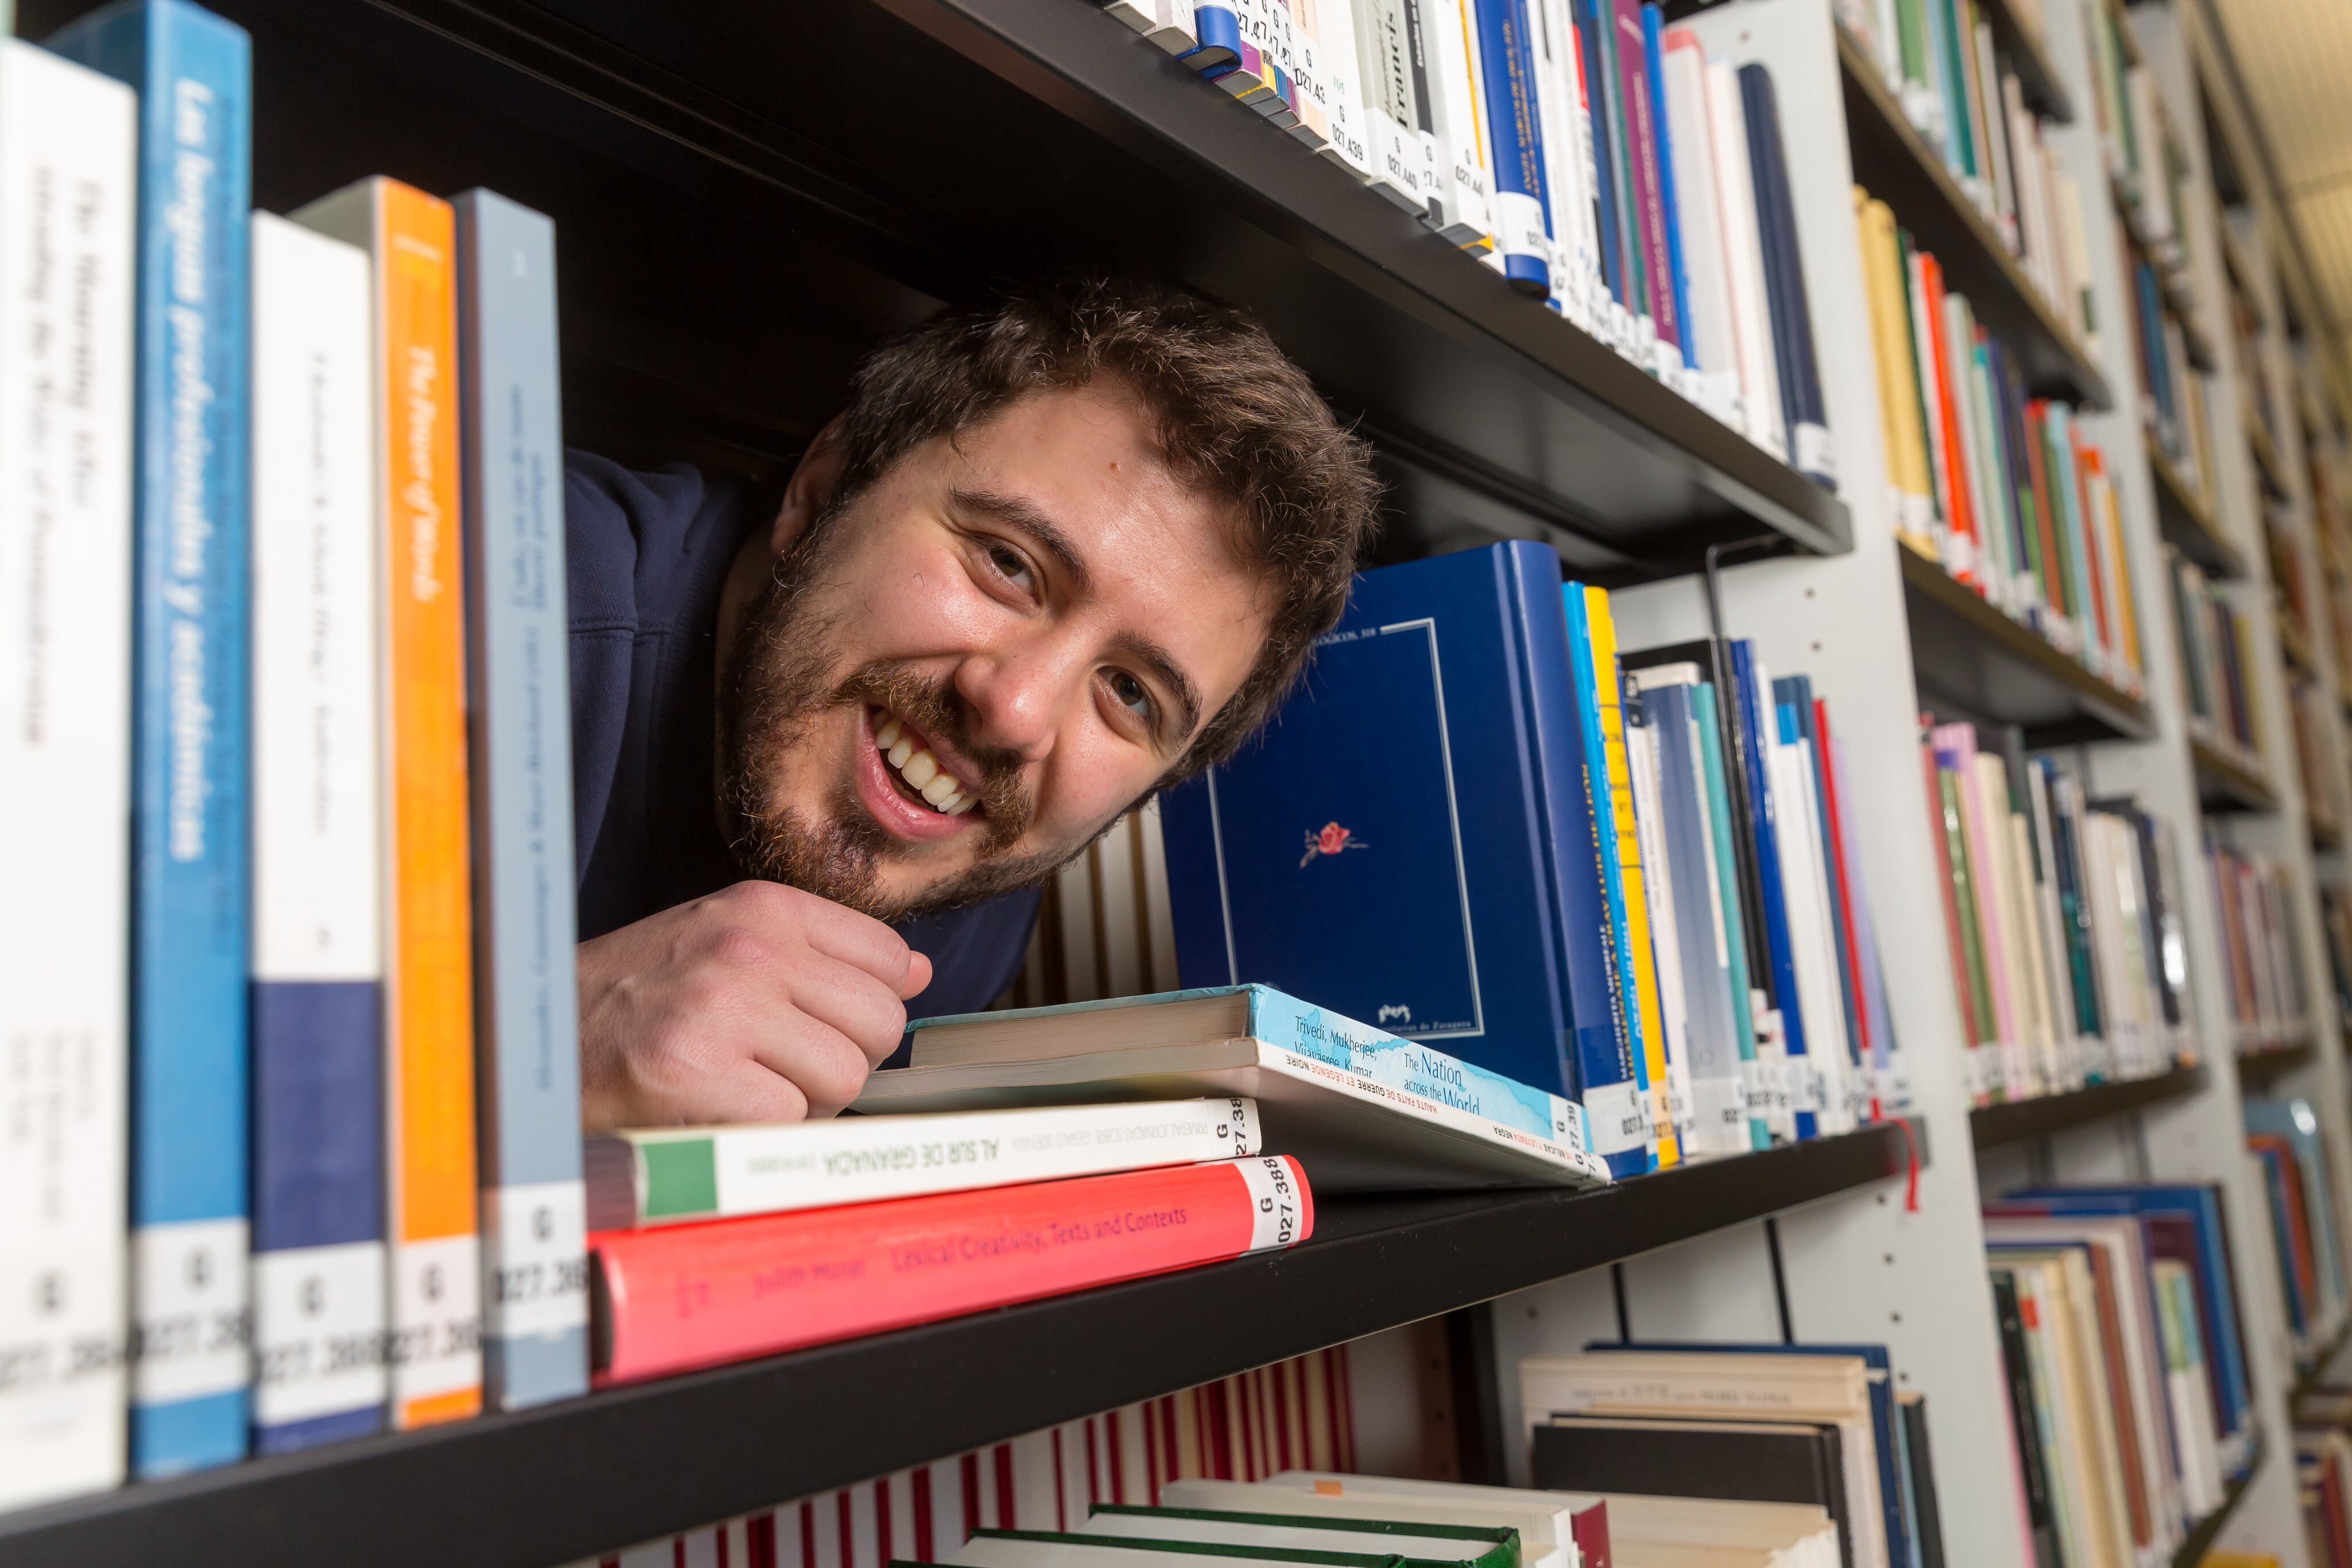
(624, 1465)
(2019, 1121)
(1974, 658)
(2208, 1533)
(2259, 1068)
(2187, 524)
(2016, 35)
(2229, 783)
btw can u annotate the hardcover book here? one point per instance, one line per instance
(193, 72)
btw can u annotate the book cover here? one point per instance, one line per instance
(1758, 729)
(1662, 155)
(1743, 243)
(534, 1232)
(1700, 252)
(1719, 1109)
(1266, 1523)
(1522, 219)
(435, 1256)
(1645, 245)
(1736, 1461)
(702, 1295)
(1316, 861)
(318, 1279)
(1467, 146)
(1706, 726)
(1784, 277)
(64, 733)
(193, 72)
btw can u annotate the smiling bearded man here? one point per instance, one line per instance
(1059, 552)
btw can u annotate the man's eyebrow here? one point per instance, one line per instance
(1030, 519)
(1155, 658)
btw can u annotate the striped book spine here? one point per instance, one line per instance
(65, 732)
(190, 1353)
(534, 1218)
(318, 848)
(435, 1256)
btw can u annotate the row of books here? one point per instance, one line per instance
(2290, 1146)
(1825, 1427)
(2269, 1003)
(290, 553)
(2319, 756)
(1940, 59)
(2336, 927)
(2136, 142)
(2173, 394)
(2214, 661)
(1645, 894)
(2126, 1366)
(2003, 489)
(1591, 154)
(2322, 1473)
(2063, 917)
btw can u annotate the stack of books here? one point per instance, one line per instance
(1592, 156)
(2269, 1002)
(2299, 1166)
(2127, 1365)
(1821, 1428)
(1940, 59)
(2172, 392)
(2214, 661)
(2002, 489)
(292, 550)
(2146, 168)
(1643, 892)
(2060, 912)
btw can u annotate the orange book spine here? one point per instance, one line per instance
(436, 1372)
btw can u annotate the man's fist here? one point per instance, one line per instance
(760, 1003)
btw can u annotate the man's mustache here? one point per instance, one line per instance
(1006, 805)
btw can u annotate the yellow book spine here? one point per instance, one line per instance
(1629, 857)
(429, 994)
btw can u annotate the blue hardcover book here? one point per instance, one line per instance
(189, 866)
(1735, 928)
(2298, 1123)
(1884, 1427)
(1218, 49)
(1398, 845)
(1784, 282)
(1759, 730)
(1522, 215)
(518, 717)
(1670, 214)
(2216, 1284)
(1592, 34)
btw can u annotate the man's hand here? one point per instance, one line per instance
(760, 1003)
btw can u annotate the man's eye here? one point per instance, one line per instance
(1011, 562)
(1132, 692)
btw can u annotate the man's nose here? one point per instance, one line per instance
(1018, 699)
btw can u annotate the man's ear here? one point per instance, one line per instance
(811, 487)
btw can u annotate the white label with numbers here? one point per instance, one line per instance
(187, 1284)
(437, 1318)
(537, 1249)
(317, 1331)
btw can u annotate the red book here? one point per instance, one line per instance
(702, 1295)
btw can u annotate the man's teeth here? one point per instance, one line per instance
(943, 790)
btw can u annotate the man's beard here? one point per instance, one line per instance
(777, 686)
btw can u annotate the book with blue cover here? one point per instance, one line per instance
(193, 72)
(2298, 1121)
(1757, 725)
(518, 715)
(1784, 282)
(1400, 846)
(1522, 216)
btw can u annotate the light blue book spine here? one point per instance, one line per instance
(191, 1366)
(1735, 937)
(535, 1215)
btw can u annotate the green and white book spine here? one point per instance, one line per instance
(677, 1175)
(67, 191)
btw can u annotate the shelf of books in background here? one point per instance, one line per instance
(1585, 151)
(2063, 915)
(2300, 1169)
(2269, 995)
(2126, 1366)
(2214, 663)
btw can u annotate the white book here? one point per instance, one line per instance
(1760, 378)
(1813, 936)
(1464, 209)
(1708, 335)
(1165, 24)
(1329, 80)
(1575, 261)
(318, 852)
(1543, 1519)
(1385, 68)
(681, 1176)
(1447, 1541)
(67, 189)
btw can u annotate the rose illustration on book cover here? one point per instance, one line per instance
(1330, 840)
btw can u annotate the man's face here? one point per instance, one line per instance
(981, 659)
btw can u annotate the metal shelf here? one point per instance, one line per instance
(1894, 163)
(2227, 785)
(1967, 653)
(624, 1464)
(2187, 526)
(2016, 1121)
(2257, 1068)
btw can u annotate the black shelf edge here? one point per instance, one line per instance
(2227, 785)
(1894, 163)
(627, 1465)
(1967, 653)
(2209, 1529)
(2016, 1121)
(2037, 78)
(2259, 1068)
(2266, 461)
(2313, 1376)
(2185, 522)
(2326, 837)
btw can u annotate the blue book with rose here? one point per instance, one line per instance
(1409, 843)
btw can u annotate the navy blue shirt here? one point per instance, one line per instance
(649, 553)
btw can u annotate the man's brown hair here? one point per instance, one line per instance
(1235, 419)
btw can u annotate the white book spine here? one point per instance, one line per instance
(1760, 380)
(68, 185)
(1349, 141)
(1384, 62)
(1464, 153)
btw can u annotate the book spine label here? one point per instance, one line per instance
(862, 1159)
(318, 870)
(1521, 223)
(706, 1294)
(68, 185)
(189, 810)
(435, 1293)
(521, 751)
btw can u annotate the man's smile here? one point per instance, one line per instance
(902, 784)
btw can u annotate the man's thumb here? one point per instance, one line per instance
(918, 975)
